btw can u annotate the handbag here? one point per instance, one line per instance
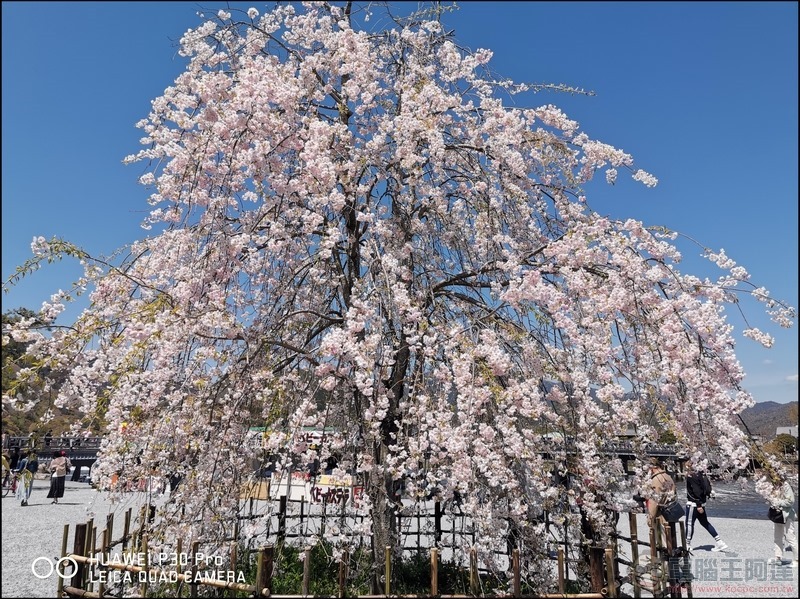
(672, 512)
(775, 515)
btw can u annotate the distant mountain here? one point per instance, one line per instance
(764, 417)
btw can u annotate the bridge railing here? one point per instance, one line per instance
(42, 444)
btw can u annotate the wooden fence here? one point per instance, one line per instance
(658, 566)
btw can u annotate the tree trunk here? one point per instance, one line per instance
(384, 522)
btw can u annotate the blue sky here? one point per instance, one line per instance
(703, 94)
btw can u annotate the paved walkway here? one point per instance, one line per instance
(34, 534)
(741, 571)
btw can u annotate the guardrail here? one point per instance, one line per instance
(42, 444)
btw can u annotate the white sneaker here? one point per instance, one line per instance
(775, 561)
(720, 546)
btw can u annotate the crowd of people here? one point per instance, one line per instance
(660, 492)
(23, 467)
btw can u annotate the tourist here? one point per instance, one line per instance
(659, 491)
(6, 467)
(698, 492)
(27, 468)
(784, 532)
(15, 459)
(59, 466)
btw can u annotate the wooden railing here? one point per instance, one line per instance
(658, 566)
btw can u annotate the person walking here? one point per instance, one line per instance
(6, 468)
(784, 532)
(659, 491)
(698, 492)
(15, 459)
(59, 466)
(27, 468)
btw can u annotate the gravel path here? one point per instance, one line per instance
(740, 571)
(36, 531)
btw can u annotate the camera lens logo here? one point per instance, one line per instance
(43, 567)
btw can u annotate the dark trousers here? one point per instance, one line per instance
(702, 517)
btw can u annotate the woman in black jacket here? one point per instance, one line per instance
(698, 491)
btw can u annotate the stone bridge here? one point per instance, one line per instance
(82, 451)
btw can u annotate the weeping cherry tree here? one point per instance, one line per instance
(351, 230)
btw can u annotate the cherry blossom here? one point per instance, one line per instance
(350, 230)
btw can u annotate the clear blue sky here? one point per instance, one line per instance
(703, 94)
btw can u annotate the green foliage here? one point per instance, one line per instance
(667, 437)
(22, 380)
(783, 446)
(50, 251)
(13, 351)
(411, 575)
(17, 422)
(287, 578)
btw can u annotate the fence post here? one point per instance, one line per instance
(233, 556)
(633, 525)
(511, 537)
(672, 562)
(596, 568)
(515, 571)
(146, 565)
(306, 571)
(265, 559)
(127, 529)
(87, 551)
(387, 573)
(92, 549)
(108, 541)
(474, 581)
(192, 583)
(103, 560)
(419, 530)
(64, 540)
(110, 529)
(142, 522)
(89, 537)
(178, 568)
(78, 547)
(282, 519)
(686, 566)
(655, 567)
(399, 523)
(343, 574)
(437, 522)
(561, 584)
(611, 580)
(434, 571)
